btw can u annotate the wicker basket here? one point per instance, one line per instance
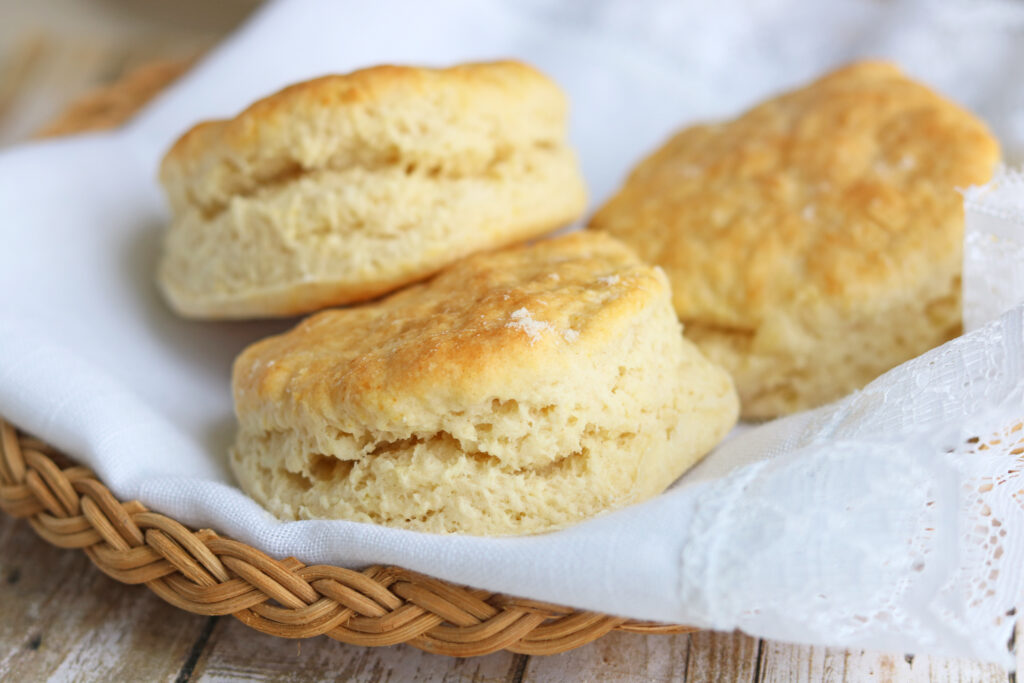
(203, 573)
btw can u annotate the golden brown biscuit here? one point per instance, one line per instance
(346, 187)
(518, 391)
(815, 241)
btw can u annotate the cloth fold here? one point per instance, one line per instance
(854, 525)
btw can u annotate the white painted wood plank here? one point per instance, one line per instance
(237, 653)
(61, 619)
(616, 657)
(1018, 644)
(718, 656)
(806, 664)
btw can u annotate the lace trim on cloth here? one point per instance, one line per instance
(993, 248)
(910, 492)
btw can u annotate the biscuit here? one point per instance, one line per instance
(346, 187)
(815, 241)
(519, 391)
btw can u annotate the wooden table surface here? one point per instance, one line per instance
(62, 619)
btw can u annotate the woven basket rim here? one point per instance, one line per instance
(204, 573)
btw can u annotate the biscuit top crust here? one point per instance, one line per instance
(834, 194)
(491, 327)
(455, 121)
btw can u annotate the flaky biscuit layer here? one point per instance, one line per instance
(516, 392)
(345, 187)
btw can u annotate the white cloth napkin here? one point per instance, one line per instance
(873, 522)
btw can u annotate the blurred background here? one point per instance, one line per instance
(60, 53)
(55, 53)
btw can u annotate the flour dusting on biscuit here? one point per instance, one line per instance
(493, 399)
(815, 241)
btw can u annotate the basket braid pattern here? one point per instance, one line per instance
(203, 573)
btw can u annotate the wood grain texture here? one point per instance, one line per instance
(236, 652)
(73, 623)
(806, 664)
(64, 620)
(617, 657)
(55, 51)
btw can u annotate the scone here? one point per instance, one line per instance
(518, 391)
(814, 242)
(347, 187)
